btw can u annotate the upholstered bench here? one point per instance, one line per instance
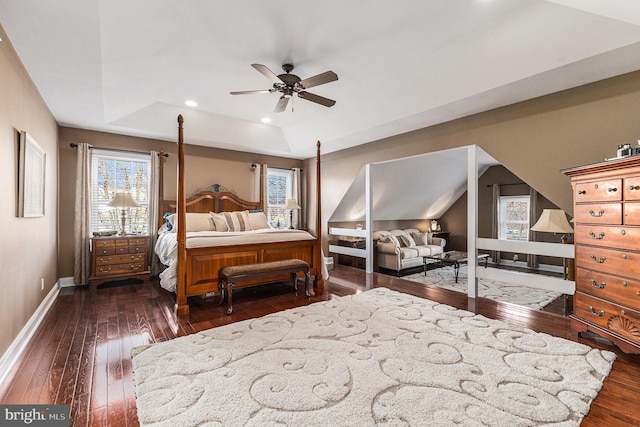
(233, 274)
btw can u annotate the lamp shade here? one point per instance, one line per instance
(553, 221)
(123, 200)
(292, 204)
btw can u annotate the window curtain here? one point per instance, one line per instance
(296, 193)
(82, 221)
(260, 171)
(495, 255)
(532, 259)
(154, 196)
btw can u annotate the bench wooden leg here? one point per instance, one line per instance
(294, 277)
(308, 286)
(229, 299)
(221, 290)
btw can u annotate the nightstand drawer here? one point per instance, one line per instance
(138, 241)
(138, 249)
(119, 259)
(110, 270)
(104, 243)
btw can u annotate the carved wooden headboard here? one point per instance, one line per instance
(212, 201)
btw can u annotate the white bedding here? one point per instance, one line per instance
(167, 245)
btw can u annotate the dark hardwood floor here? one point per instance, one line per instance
(81, 353)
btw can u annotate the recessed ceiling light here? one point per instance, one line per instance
(191, 103)
(265, 120)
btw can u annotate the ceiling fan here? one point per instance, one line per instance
(288, 84)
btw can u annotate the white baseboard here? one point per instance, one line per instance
(66, 282)
(15, 350)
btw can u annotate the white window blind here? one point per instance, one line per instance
(119, 171)
(279, 190)
(513, 218)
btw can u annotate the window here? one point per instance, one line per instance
(279, 190)
(119, 171)
(513, 218)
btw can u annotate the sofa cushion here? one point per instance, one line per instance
(418, 237)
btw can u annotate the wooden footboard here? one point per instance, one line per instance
(204, 264)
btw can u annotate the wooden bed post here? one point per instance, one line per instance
(181, 308)
(319, 281)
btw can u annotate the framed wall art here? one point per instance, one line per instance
(31, 174)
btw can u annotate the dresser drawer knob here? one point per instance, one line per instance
(598, 215)
(593, 235)
(623, 312)
(105, 270)
(596, 313)
(634, 187)
(582, 192)
(624, 256)
(599, 261)
(623, 232)
(600, 286)
(624, 284)
(612, 189)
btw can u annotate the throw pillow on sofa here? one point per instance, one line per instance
(390, 238)
(406, 241)
(419, 238)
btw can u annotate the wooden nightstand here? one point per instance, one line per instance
(118, 257)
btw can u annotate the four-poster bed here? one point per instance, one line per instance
(198, 263)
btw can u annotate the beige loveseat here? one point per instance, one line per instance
(400, 249)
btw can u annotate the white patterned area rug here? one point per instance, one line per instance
(375, 358)
(500, 291)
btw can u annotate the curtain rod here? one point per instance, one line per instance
(74, 145)
(254, 165)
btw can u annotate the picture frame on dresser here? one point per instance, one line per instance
(606, 200)
(31, 177)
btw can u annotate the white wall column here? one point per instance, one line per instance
(368, 201)
(472, 220)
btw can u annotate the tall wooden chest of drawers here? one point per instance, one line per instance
(607, 242)
(118, 257)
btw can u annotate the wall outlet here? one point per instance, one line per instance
(42, 284)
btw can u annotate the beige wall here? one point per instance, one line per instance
(28, 252)
(534, 139)
(205, 166)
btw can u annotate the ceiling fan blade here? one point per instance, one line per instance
(249, 92)
(267, 73)
(281, 105)
(320, 79)
(317, 99)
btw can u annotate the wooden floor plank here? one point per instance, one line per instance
(93, 333)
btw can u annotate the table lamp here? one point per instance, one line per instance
(554, 221)
(123, 200)
(291, 205)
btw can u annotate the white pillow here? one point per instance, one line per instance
(258, 221)
(199, 222)
(195, 222)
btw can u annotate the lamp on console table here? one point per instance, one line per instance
(554, 221)
(123, 200)
(291, 205)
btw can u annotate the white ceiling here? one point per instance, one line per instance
(422, 186)
(127, 66)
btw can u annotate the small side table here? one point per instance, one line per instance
(119, 257)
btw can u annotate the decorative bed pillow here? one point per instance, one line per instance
(220, 221)
(238, 221)
(199, 222)
(168, 219)
(258, 220)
